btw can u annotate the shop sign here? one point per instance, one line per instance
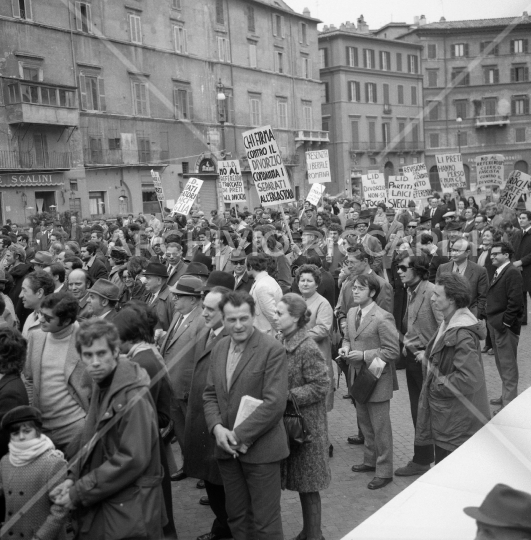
(28, 180)
(207, 166)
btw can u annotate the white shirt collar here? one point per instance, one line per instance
(500, 268)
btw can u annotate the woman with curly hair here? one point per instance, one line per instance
(134, 289)
(323, 222)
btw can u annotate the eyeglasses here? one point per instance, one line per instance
(495, 253)
(403, 267)
(239, 263)
(453, 250)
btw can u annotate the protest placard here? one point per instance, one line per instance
(451, 172)
(419, 174)
(318, 166)
(187, 197)
(269, 174)
(489, 169)
(515, 187)
(316, 192)
(230, 181)
(374, 191)
(158, 186)
(400, 191)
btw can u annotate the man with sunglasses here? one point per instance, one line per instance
(244, 281)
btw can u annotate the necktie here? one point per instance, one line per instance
(211, 337)
(432, 212)
(358, 320)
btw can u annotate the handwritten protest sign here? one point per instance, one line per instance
(515, 187)
(489, 169)
(400, 191)
(231, 182)
(315, 194)
(419, 174)
(318, 166)
(451, 172)
(269, 174)
(188, 196)
(374, 191)
(158, 186)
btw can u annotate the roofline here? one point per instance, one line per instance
(425, 30)
(391, 24)
(369, 37)
(289, 11)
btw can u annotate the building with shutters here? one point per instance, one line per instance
(373, 102)
(476, 90)
(96, 94)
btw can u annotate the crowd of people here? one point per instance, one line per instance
(122, 338)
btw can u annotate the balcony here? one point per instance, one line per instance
(387, 109)
(15, 160)
(95, 157)
(311, 136)
(493, 120)
(391, 147)
(29, 102)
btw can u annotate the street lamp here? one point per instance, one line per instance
(221, 99)
(459, 120)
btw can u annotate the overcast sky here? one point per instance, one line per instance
(380, 12)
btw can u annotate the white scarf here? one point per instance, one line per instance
(24, 452)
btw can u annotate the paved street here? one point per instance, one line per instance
(347, 502)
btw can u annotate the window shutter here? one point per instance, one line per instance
(176, 102)
(365, 54)
(27, 5)
(381, 60)
(513, 106)
(185, 40)
(366, 92)
(347, 55)
(465, 49)
(481, 46)
(496, 76)
(227, 49)
(309, 64)
(524, 45)
(526, 73)
(83, 92)
(190, 97)
(79, 24)
(355, 56)
(495, 50)
(349, 88)
(375, 93)
(300, 33)
(358, 92)
(452, 49)
(89, 18)
(511, 50)
(16, 9)
(513, 75)
(273, 20)
(101, 92)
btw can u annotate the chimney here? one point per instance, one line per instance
(325, 28)
(442, 19)
(525, 15)
(332, 27)
(416, 19)
(363, 27)
(422, 20)
(306, 12)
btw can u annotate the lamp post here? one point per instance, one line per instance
(459, 120)
(221, 99)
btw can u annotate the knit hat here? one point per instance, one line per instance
(23, 413)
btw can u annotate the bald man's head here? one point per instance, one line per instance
(78, 283)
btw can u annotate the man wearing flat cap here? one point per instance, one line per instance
(103, 297)
(372, 245)
(41, 260)
(160, 297)
(243, 281)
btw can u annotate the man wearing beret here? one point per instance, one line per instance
(103, 297)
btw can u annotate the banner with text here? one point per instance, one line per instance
(421, 180)
(187, 197)
(158, 186)
(400, 191)
(515, 187)
(374, 191)
(318, 166)
(269, 174)
(231, 181)
(489, 170)
(451, 172)
(316, 192)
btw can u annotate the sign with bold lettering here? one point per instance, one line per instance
(269, 174)
(400, 191)
(158, 186)
(515, 187)
(25, 179)
(419, 174)
(374, 191)
(231, 182)
(489, 170)
(451, 172)
(318, 166)
(315, 194)
(187, 197)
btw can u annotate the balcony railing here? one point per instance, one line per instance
(124, 157)
(13, 159)
(312, 136)
(379, 146)
(492, 120)
(387, 108)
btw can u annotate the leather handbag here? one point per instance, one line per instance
(295, 424)
(364, 385)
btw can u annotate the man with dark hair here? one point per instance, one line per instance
(160, 297)
(78, 285)
(435, 212)
(35, 287)
(55, 374)
(96, 236)
(419, 325)
(23, 240)
(503, 313)
(434, 254)
(523, 256)
(248, 363)
(470, 220)
(16, 270)
(58, 273)
(72, 262)
(95, 268)
(176, 265)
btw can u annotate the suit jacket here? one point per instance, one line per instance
(377, 336)
(266, 293)
(524, 254)
(373, 247)
(43, 240)
(479, 284)
(438, 216)
(245, 284)
(85, 309)
(468, 228)
(97, 270)
(163, 306)
(435, 261)
(262, 373)
(180, 269)
(504, 304)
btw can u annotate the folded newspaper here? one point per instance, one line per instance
(248, 405)
(376, 367)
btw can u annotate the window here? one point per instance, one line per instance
(250, 19)
(180, 36)
(354, 91)
(399, 61)
(519, 134)
(303, 33)
(459, 50)
(490, 137)
(83, 17)
(96, 203)
(368, 59)
(325, 93)
(220, 16)
(433, 76)
(461, 77)
(386, 94)
(252, 54)
(462, 138)
(144, 148)
(114, 144)
(255, 105)
(323, 58)
(135, 28)
(370, 93)
(415, 132)
(412, 63)
(282, 112)
(228, 109)
(22, 9)
(31, 73)
(400, 89)
(176, 4)
(519, 73)
(386, 132)
(355, 132)
(484, 48)
(306, 67)
(434, 140)
(491, 75)
(182, 101)
(307, 116)
(352, 56)
(279, 62)
(433, 110)
(92, 92)
(385, 61)
(372, 132)
(518, 46)
(223, 49)
(461, 109)
(278, 25)
(432, 51)
(413, 95)
(520, 105)
(140, 99)
(491, 105)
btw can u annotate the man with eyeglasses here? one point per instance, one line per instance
(476, 275)
(243, 281)
(176, 265)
